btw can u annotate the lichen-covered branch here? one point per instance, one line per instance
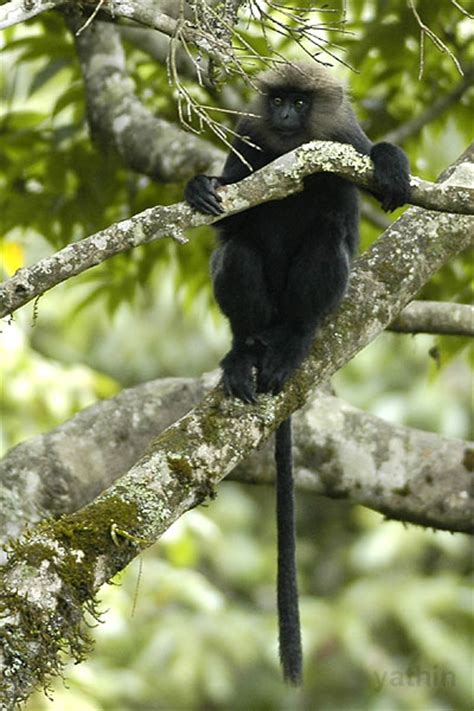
(16, 11)
(145, 142)
(409, 473)
(58, 566)
(278, 179)
(435, 317)
(147, 13)
(404, 473)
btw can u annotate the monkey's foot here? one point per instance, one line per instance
(283, 355)
(237, 376)
(272, 375)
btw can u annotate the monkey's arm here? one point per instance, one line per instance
(391, 175)
(201, 191)
(391, 167)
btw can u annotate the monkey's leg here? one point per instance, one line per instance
(317, 282)
(241, 292)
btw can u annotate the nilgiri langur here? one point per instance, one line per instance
(283, 266)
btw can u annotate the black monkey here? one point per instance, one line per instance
(283, 266)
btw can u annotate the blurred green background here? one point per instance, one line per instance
(386, 608)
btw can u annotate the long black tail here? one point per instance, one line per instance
(291, 656)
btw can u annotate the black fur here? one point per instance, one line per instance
(283, 266)
(291, 655)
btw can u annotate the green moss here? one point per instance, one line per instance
(40, 633)
(404, 490)
(180, 466)
(172, 439)
(210, 428)
(89, 528)
(468, 459)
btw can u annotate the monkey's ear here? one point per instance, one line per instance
(329, 98)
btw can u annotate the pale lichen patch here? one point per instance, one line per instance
(38, 586)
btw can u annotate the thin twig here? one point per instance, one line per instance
(437, 41)
(91, 18)
(462, 9)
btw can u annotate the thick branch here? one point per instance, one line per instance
(59, 565)
(145, 142)
(16, 11)
(435, 317)
(63, 470)
(277, 180)
(146, 13)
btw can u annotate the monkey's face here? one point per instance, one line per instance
(287, 115)
(299, 102)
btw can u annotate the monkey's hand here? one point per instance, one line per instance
(201, 194)
(391, 175)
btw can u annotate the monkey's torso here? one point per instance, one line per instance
(317, 228)
(281, 227)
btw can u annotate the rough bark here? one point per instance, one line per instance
(340, 451)
(435, 317)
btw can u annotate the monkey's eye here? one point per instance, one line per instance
(277, 100)
(299, 103)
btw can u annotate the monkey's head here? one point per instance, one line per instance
(299, 102)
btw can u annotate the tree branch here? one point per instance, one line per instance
(59, 565)
(146, 13)
(435, 317)
(63, 470)
(16, 11)
(275, 181)
(146, 143)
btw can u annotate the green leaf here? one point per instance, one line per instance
(74, 94)
(48, 72)
(18, 119)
